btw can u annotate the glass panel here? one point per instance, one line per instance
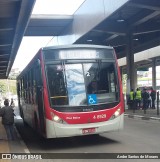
(101, 81)
(91, 77)
(75, 84)
(57, 88)
(72, 86)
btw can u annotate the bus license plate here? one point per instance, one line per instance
(88, 130)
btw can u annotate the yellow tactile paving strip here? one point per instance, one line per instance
(4, 146)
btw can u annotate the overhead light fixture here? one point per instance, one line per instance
(120, 18)
(2, 55)
(89, 40)
(3, 66)
(136, 39)
(3, 61)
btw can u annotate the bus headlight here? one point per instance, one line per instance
(116, 114)
(57, 119)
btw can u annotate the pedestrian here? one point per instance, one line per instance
(7, 114)
(145, 97)
(149, 102)
(12, 103)
(138, 98)
(131, 99)
(153, 97)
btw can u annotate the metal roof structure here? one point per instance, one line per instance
(14, 16)
(47, 25)
(139, 17)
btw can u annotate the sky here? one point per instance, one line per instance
(30, 45)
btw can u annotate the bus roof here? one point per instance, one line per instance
(76, 46)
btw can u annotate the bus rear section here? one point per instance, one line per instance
(79, 92)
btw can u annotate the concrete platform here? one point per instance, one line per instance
(18, 146)
(150, 114)
(3, 139)
(6, 146)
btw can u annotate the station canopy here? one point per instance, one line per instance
(138, 18)
(14, 16)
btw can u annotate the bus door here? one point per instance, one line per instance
(39, 98)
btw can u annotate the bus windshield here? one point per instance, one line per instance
(82, 84)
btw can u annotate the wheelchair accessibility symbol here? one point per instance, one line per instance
(92, 99)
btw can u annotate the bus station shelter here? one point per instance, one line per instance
(130, 26)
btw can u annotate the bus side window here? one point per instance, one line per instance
(32, 85)
(38, 77)
(18, 89)
(38, 80)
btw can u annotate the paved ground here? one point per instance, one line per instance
(149, 114)
(19, 146)
(138, 136)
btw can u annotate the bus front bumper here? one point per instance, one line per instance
(56, 130)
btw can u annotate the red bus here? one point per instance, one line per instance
(71, 91)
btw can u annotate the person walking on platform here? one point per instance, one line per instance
(138, 98)
(153, 97)
(7, 114)
(149, 102)
(12, 103)
(145, 97)
(131, 99)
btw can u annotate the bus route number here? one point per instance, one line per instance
(102, 116)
